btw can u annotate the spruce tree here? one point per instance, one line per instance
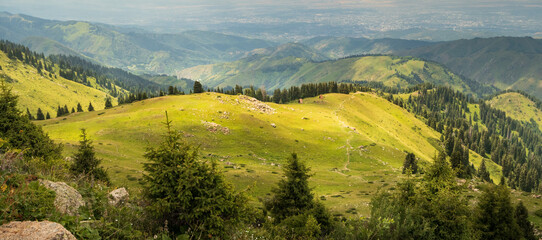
(90, 107)
(188, 192)
(292, 202)
(108, 103)
(494, 217)
(48, 116)
(18, 132)
(79, 107)
(39, 115)
(483, 173)
(522, 218)
(410, 163)
(198, 88)
(85, 161)
(29, 115)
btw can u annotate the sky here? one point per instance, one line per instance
(125, 11)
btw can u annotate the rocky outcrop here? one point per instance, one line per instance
(118, 196)
(68, 200)
(29, 230)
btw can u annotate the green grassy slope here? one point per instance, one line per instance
(354, 143)
(48, 47)
(505, 62)
(37, 91)
(518, 107)
(272, 73)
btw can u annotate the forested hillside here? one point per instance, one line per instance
(58, 85)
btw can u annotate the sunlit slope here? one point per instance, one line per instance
(518, 107)
(45, 92)
(290, 71)
(352, 142)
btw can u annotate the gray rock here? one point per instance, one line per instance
(118, 196)
(68, 200)
(29, 230)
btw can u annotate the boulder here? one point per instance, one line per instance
(118, 196)
(34, 230)
(67, 200)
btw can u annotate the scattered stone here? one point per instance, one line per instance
(118, 196)
(215, 127)
(30, 230)
(273, 125)
(255, 105)
(67, 200)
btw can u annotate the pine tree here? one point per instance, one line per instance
(108, 103)
(73, 110)
(410, 163)
(293, 194)
(494, 217)
(29, 115)
(85, 161)
(90, 107)
(483, 173)
(48, 116)
(18, 132)
(189, 192)
(198, 88)
(522, 218)
(79, 107)
(293, 201)
(39, 115)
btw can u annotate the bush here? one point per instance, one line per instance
(23, 198)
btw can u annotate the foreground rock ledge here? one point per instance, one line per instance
(34, 230)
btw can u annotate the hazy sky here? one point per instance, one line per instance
(133, 11)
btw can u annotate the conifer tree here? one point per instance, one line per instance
(483, 173)
(48, 116)
(29, 115)
(79, 107)
(410, 163)
(73, 110)
(189, 192)
(39, 115)
(522, 218)
(108, 103)
(292, 201)
(18, 132)
(495, 214)
(198, 88)
(90, 107)
(85, 161)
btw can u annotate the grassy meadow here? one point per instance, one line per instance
(355, 144)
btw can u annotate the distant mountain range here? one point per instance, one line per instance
(504, 62)
(338, 47)
(224, 60)
(294, 64)
(137, 51)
